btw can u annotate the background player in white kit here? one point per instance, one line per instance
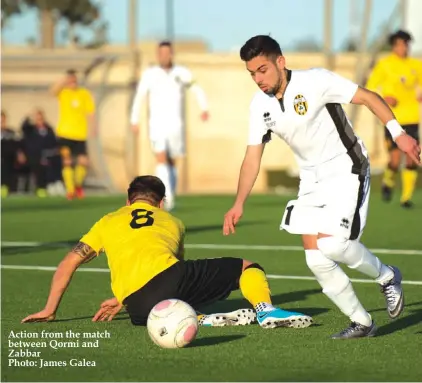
(304, 109)
(166, 83)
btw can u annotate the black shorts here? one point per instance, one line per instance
(76, 148)
(412, 130)
(198, 283)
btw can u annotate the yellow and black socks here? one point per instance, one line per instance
(254, 286)
(389, 178)
(4, 191)
(201, 318)
(409, 177)
(68, 178)
(80, 174)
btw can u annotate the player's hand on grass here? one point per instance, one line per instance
(42, 316)
(108, 310)
(409, 146)
(231, 219)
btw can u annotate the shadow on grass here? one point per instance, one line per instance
(62, 204)
(215, 340)
(21, 250)
(219, 226)
(405, 306)
(235, 304)
(401, 324)
(120, 316)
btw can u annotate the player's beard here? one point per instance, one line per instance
(279, 83)
(167, 65)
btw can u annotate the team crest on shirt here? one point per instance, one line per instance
(300, 104)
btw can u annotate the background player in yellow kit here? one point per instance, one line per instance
(145, 252)
(76, 116)
(397, 78)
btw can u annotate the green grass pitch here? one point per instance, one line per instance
(219, 354)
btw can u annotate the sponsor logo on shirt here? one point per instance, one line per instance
(267, 119)
(345, 223)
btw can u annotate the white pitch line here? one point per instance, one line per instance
(355, 280)
(213, 246)
(53, 268)
(104, 270)
(288, 248)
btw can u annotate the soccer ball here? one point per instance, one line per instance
(172, 323)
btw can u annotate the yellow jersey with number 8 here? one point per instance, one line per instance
(140, 241)
(75, 105)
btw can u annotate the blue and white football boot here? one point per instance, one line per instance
(277, 317)
(242, 317)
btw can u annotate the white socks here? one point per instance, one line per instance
(337, 286)
(356, 256)
(173, 179)
(168, 174)
(163, 173)
(367, 263)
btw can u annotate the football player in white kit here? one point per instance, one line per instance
(165, 84)
(303, 107)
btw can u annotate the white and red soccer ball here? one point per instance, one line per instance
(172, 323)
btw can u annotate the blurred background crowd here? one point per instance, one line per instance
(107, 45)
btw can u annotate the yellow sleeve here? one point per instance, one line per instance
(419, 73)
(94, 238)
(89, 102)
(181, 252)
(182, 227)
(388, 91)
(60, 95)
(376, 78)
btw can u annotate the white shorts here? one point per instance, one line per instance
(329, 202)
(174, 146)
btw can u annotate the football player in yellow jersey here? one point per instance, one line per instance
(145, 252)
(76, 118)
(397, 78)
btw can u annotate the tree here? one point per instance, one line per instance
(307, 45)
(74, 11)
(350, 45)
(8, 8)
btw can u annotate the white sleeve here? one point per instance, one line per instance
(335, 88)
(199, 93)
(258, 134)
(200, 97)
(141, 91)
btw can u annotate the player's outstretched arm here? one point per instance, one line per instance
(141, 92)
(58, 86)
(181, 251)
(201, 99)
(81, 253)
(248, 174)
(380, 108)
